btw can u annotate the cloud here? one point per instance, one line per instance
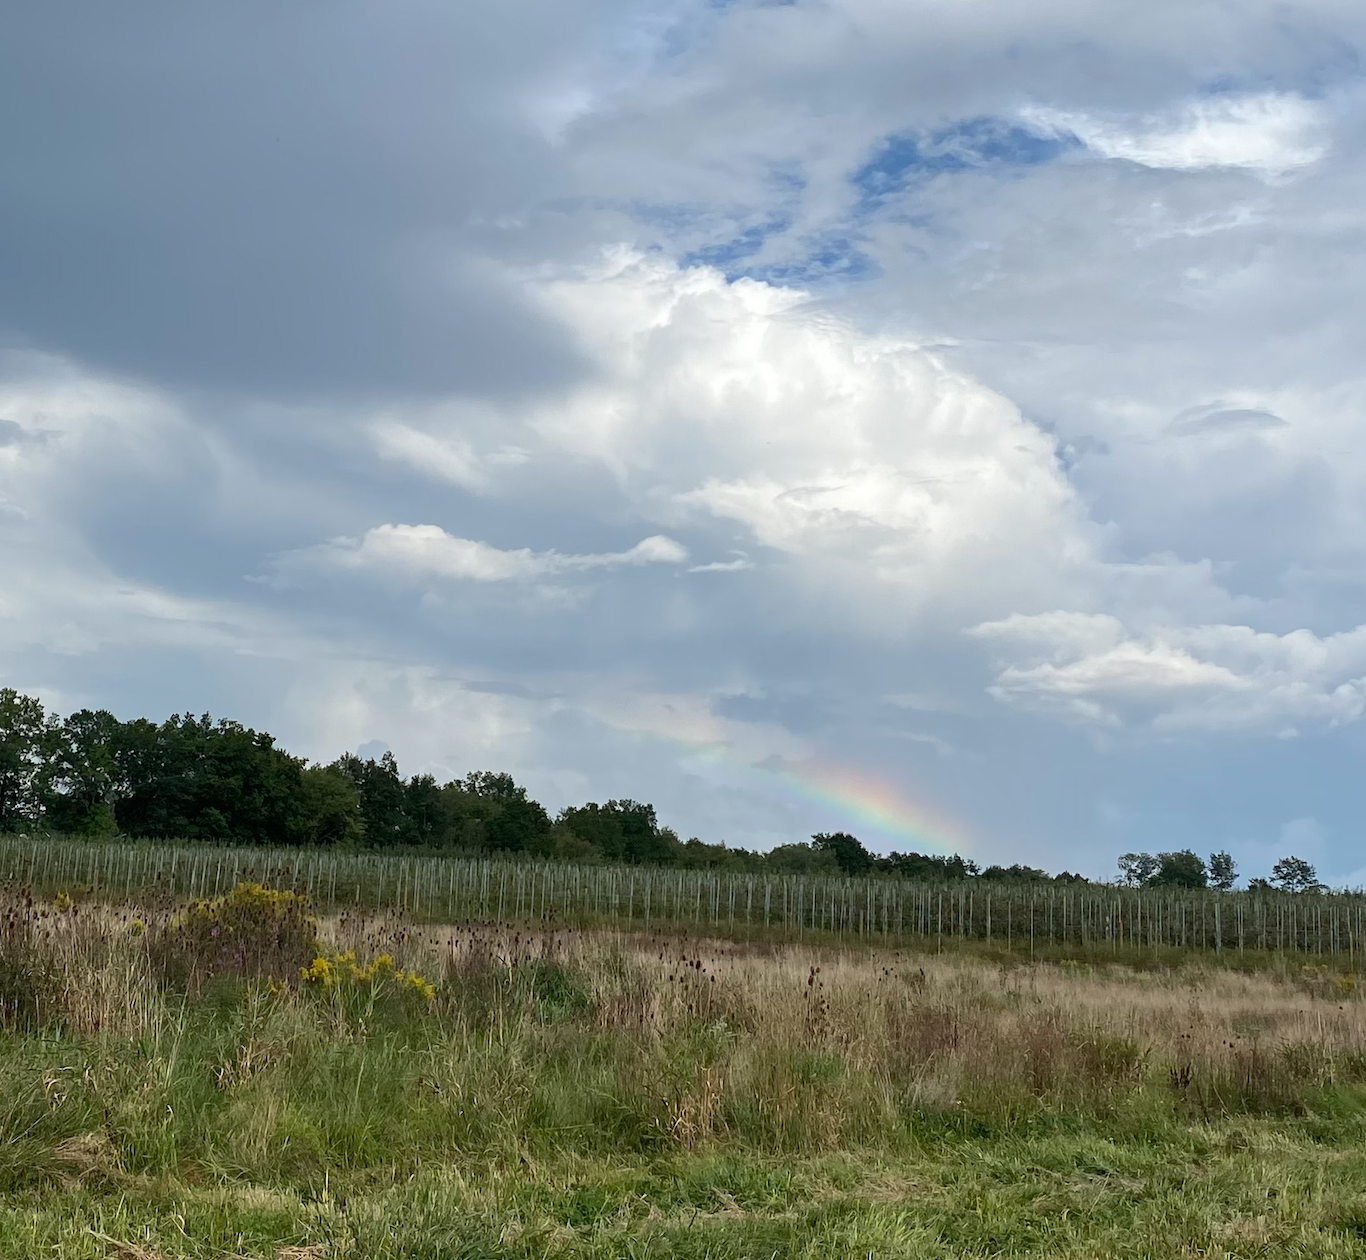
(863, 458)
(451, 459)
(1303, 837)
(88, 452)
(13, 434)
(1272, 133)
(1090, 668)
(738, 565)
(1220, 418)
(459, 442)
(425, 552)
(329, 247)
(930, 385)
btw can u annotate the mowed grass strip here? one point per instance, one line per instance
(1206, 1193)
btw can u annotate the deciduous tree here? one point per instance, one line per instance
(26, 735)
(1223, 871)
(1294, 874)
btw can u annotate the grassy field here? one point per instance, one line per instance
(174, 1086)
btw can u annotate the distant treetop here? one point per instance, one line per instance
(198, 778)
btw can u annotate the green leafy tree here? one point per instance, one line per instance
(1223, 871)
(206, 780)
(1180, 869)
(329, 808)
(425, 819)
(623, 831)
(1294, 874)
(850, 855)
(26, 735)
(568, 846)
(927, 866)
(490, 811)
(383, 798)
(800, 859)
(83, 782)
(1016, 874)
(695, 854)
(1137, 869)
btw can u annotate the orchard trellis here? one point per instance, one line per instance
(453, 889)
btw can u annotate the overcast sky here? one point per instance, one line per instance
(938, 419)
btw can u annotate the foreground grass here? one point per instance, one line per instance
(594, 1096)
(1221, 1190)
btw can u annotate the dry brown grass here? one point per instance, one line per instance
(801, 1038)
(939, 1027)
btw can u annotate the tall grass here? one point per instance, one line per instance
(656, 1040)
(1030, 919)
(557, 1091)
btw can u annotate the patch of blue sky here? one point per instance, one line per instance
(830, 258)
(728, 254)
(733, 247)
(765, 251)
(677, 29)
(800, 263)
(722, 226)
(787, 179)
(974, 144)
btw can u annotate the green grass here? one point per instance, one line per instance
(1210, 1190)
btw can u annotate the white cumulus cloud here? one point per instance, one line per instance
(1092, 668)
(864, 459)
(446, 459)
(1272, 132)
(428, 551)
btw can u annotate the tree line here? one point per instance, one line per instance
(1186, 869)
(195, 778)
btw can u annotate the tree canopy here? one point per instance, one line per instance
(1184, 868)
(215, 780)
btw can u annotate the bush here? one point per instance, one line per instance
(379, 976)
(253, 932)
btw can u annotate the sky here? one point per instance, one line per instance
(932, 419)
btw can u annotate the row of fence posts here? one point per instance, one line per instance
(880, 908)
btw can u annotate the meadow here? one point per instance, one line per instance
(253, 1076)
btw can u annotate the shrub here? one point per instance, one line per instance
(380, 976)
(254, 932)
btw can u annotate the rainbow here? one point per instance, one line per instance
(851, 798)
